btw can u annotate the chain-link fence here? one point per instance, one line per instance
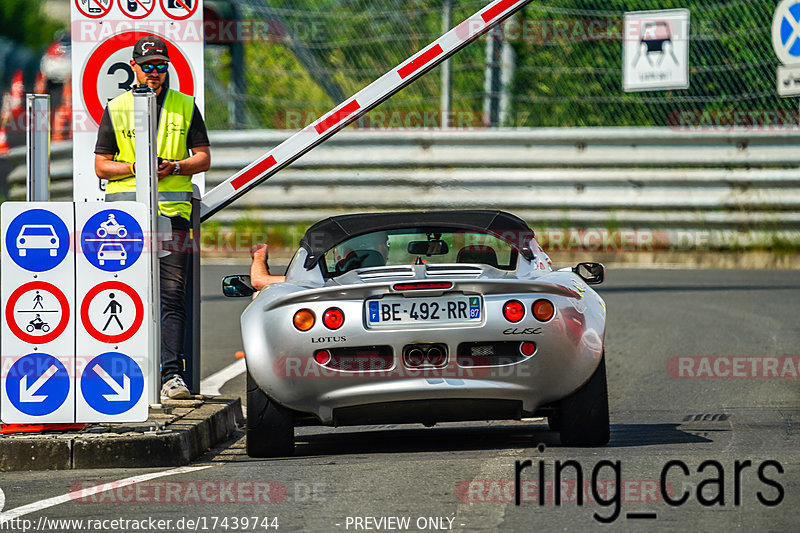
(560, 64)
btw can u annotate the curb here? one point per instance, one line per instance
(176, 443)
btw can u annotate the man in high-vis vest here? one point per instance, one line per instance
(183, 150)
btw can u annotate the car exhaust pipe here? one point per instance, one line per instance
(415, 357)
(425, 355)
(435, 356)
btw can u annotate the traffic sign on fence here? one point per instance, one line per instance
(655, 50)
(786, 32)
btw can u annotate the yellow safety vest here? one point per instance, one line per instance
(174, 191)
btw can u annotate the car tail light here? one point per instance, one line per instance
(322, 357)
(513, 310)
(333, 318)
(527, 348)
(304, 319)
(543, 310)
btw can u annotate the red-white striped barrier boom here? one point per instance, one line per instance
(354, 107)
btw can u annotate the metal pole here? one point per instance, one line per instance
(191, 343)
(492, 88)
(144, 111)
(37, 111)
(447, 16)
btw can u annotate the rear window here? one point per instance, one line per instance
(413, 246)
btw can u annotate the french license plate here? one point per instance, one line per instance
(455, 309)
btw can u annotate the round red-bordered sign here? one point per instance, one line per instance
(137, 319)
(94, 4)
(181, 5)
(91, 71)
(139, 4)
(56, 331)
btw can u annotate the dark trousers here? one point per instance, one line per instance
(174, 273)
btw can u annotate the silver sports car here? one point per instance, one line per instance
(423, 317)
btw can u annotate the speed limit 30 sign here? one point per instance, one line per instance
(103, 33)
(110, 61)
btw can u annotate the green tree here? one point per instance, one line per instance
(23, 21)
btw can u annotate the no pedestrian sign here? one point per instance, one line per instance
(112, 312)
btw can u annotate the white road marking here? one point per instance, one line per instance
(83, 493)
(214, 382)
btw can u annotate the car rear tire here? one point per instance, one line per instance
(270, 426)
(554, 421)
(584, 413)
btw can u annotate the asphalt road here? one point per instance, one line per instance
(681, 349)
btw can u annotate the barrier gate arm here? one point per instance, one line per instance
(356, 106)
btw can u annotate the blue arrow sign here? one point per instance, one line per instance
(37, 240)
(112, 240)
(112, 383)
(37, 384)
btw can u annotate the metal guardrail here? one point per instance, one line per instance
(652, 178)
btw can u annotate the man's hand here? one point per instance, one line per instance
(259, 271)
(165, 169)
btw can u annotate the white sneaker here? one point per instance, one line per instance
(175, 389)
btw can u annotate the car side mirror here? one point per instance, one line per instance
(591, 273)
(237, 286)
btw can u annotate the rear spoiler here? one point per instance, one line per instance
(370, 290)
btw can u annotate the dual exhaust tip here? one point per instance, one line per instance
(425, 355)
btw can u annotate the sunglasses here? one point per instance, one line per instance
(161, 68)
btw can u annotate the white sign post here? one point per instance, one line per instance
(113, 307)
(38, 295)
(103, 33)
(655, 50)
(786, 43)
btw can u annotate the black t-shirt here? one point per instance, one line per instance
(107, 140)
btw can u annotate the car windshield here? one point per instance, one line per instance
(37, 230)
(112, 248)
(416, 246)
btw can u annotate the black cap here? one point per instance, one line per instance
(149, 48)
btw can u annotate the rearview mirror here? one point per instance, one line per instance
(237, 286)
(591, 273)
(428, 248)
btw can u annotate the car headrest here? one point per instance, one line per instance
(360, 259)
(477, 254)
